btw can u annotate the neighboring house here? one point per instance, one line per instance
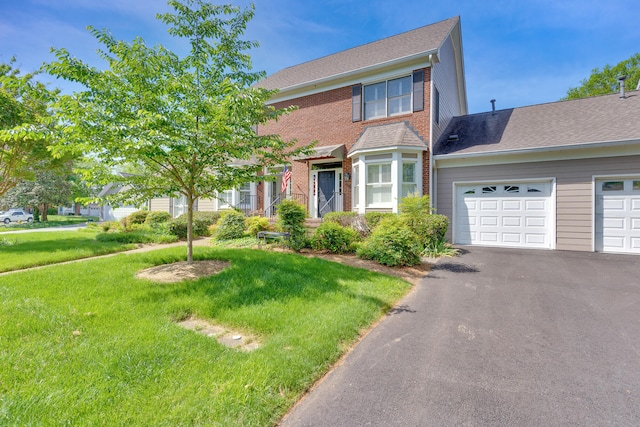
(562, 175)
(114, 213)
(373, 111)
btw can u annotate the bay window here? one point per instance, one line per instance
(379, 185)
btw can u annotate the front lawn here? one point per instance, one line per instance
(24, 250)
(89, 344)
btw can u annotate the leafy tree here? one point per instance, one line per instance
(605, 81)
(24, 113)
(49, 188)
(186, 123)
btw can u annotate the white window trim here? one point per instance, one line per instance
(386, 98)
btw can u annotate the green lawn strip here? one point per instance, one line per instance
(19, 251)
(53, 221)
(129, 364)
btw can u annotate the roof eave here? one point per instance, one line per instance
(389, 148)
(356, 72)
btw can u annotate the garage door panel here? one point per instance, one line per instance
(511, 221)
(614, 204)
(511, 205)
(635, 243)
(614, 223)
(635, 204)
(512, 214)
(635, 224)
(535, 205)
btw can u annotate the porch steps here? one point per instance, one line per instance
(311, 224)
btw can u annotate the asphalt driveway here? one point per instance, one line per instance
(497, 337)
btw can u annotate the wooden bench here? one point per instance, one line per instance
(265, 235)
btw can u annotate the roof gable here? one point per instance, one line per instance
(559, 124)
(423, 40)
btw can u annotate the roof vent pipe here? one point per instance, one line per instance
(621, 79)
(493, 107)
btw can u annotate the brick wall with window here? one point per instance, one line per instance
(327, 118)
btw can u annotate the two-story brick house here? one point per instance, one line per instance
(373, 111)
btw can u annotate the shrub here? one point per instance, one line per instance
(345, 219)
(436, 227)
(439, 248)
(136, 236)
(201, 223)
(52, 211)
(110, 226)
(391, 243)
(155, 218)
(255, 224)
(230, 226)
(291, 216)
(429, 228)
(334, 237)
(373, 218)
(137, 217)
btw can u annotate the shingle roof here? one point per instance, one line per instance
(425, 40)
(604, 118)
(390, 135)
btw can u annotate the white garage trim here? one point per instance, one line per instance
(520, 213)
(616, 214)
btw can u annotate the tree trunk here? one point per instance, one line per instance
(77, 208)
(43, 212)
(189, 229)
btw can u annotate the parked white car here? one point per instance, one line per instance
(15, 216)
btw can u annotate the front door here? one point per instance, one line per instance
(326, 188)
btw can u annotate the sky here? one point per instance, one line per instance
(519, 52)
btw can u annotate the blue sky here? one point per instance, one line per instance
(519, 52)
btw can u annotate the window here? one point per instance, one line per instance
(225, 198)
(436, 110)
(489, 190)
(179, 206)
(245, 196)
(612, 185)
(511, 189)
(378, 184)
(387, 98)
(409, 185)
(636, 185)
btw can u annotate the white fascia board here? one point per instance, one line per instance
(540, 154)
(380, 71)
(391, 149)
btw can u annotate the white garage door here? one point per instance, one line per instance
(516, 214)
(618, 215)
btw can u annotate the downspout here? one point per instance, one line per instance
(431, 161)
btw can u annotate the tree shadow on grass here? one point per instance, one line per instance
(258, 277)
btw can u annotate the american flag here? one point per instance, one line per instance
(286, 177)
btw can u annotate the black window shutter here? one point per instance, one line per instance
(418, 90)
(356, 103)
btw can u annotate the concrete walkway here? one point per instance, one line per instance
(497, 337)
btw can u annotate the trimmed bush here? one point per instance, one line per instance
(373, 218)
(137, 217)
(256, 224)
(291, 216)
(230, 226)
(201, 223)
(154, 218)
(391, 243)
(429, 228)
(136, 236)
(436, 227)
(345, 219)
(334, 237)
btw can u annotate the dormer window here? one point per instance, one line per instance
(388, 98)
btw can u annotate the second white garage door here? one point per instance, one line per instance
(618, 215)
(512, 214)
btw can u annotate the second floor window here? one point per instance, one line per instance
(387, 98)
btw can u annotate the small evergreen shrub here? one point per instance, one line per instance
(391, 243)
(334, 237)
(110, 226)
(256, 224)
(291, 216)
(230, 226)
(137, 217)
(155, 218)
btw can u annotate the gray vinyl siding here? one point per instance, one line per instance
(574, 190)
(444, 77)
(161, 204)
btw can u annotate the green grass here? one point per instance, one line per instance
(53, 221)
(19, 251)
(129, 364)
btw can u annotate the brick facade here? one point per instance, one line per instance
(326, 118)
